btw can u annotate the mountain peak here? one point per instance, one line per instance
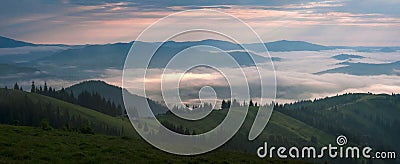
(290, 41)
(286, 45)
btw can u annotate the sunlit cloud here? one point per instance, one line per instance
(309, 5)
(105, 22)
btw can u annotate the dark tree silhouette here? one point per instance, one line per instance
(251, 103)
(16, 87)
(33, 88)
(45, 87)
(223, 104)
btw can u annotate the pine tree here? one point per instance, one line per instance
(33, 88)
(16, 87)
(251, 103)
(223, 104)
(45, 87)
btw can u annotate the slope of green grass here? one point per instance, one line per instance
(297, 128)
(14, 97)
(20, 144)
(288, 130)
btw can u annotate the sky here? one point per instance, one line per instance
(327, 22)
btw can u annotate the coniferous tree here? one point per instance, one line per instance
(16, 87)
(33, 88)
(45, 87)
(223, 104)
(251, 103)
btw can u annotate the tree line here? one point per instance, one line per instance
(226, 104)
(17, 108)
(333, 116)
(89, 100)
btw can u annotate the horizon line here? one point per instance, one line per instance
(127, 42)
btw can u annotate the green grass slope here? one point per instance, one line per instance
(16, 100)
(20, 144)
(281, 130)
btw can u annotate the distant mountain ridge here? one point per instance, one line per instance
(90, 61)
(285, 45)
(11, 43)
(347, 56)
(366, 69)
(278, 46)
(224, 45)
(85, 56)
(7, 69)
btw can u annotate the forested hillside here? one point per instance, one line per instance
(31, 109)
(365, 119)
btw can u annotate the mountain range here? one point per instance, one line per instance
(113, 55)
(11, 43)
(80, 62)
(366, 69)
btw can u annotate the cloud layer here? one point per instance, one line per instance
(295, 77)
(331, 22)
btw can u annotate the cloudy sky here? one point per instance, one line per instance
(332, 22)
(327, 22)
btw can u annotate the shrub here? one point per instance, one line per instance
(45, 125)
